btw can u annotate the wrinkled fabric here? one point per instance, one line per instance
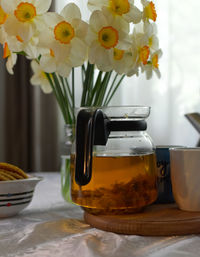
(51, 227)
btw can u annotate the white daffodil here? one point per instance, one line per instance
(11, 58)
(140, 52)
(153, 65)
(39, 78)
(149, 11)
(124, 9)
(23, 17)
(49, 63)
(105, 34)
(15, 45)
(148, 31)
(121, 60)
(64, 37)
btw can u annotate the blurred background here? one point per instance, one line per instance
(32, 129)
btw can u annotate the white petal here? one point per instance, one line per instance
(97, 20)
(46, 39)
(11, 61)
(39, 79)
(102, 60)
(148, 71)
(124, 40)
(70, 12)
(35, 66)
(148, 28)
(52, 19)
(35, 80)
(31, 51)
(123, 65)
(92, 52)
(157, 71)
(12, 26)
(133, 71)
(96, 4)
(25, 31)
(40, 23)
(61, 51)
(91, 36)
(45, 86)
(48, 64)
(2, 36)
(8, 6)
(135, 15)
(144, 2)
(81, 28)
(42, 6)
(64, 70)
(78, 52)
(155, 42)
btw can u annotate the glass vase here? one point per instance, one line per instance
(65, 163)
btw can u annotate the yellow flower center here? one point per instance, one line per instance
(52, 53)
(108, 37)
(3, 16)
(118, 54)
(25, 12)
(19, 39)
(155, 61)
(150, 11)
(144, 54)
(6, 50)
(120, 7)
(64, 32)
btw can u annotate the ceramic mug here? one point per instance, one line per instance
(165, 194)
(185, 177)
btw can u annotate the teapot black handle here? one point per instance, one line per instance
(88, 122)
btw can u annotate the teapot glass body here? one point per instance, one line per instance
(123, 178)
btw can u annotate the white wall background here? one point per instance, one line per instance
(178, 91)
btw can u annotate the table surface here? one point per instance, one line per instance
(49, 226)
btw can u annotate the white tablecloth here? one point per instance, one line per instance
(51, 227)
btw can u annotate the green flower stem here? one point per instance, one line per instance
(98, 92)
(56, 95)
(110, 89)
(68, 87)
(73, 87)
(65, 89)
(94, 89)
(63, 101)
(87, 84)
(90, 83)
(102, 89)
(115, 89)
(67, 94)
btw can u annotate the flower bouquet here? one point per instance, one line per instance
(119, 40)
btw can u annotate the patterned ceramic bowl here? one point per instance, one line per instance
(15, 195)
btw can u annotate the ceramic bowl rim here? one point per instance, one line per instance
(30, 178)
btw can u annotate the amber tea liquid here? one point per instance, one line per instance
(123, 184)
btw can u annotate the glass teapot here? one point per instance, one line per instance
(113, 164)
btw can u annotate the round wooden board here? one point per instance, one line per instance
(155, 220)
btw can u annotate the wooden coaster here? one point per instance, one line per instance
(155, 220)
